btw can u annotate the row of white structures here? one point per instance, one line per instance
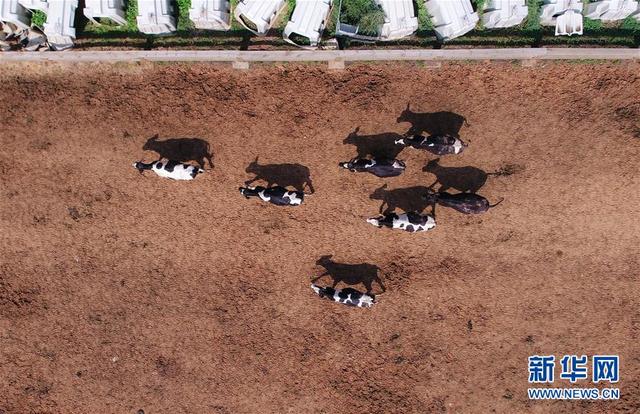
(451, 18)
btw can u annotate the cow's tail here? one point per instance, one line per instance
(493, 205)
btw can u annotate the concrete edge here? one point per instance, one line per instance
(344, 56)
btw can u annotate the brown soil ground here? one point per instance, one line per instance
(121, 291)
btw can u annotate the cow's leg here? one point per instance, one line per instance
(379, 282)
(315, 279)
(310, 185)
(367, 284)
(209, 158)
(253, 180)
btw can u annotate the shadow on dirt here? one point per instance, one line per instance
(181, 149)
(376, 146)
(463, 179)
(350, 274)
(432, 123)
(285, 175)
(406, 199)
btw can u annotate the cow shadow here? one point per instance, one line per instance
(350, 274)
(181, 149)
(432, 123)
(376, 146)
(295, 175)
(464, 179)
(406, 199)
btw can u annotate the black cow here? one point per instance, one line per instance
(295, 175)
(181, 149)
(347, 296)
(464, 179)
(436, 144)
(277, 195)
(410, 222)
(377, 167)
(432, 123)
(467, 203)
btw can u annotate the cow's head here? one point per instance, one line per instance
(374, 222)
(351, 138)
(406, 115)
(459, 146)
(243, 191)
(138, 166)
(324, 260)
(316, 289)
(253, 167)
(346, 165)
(151, 143)
(432, 165)
(430, 196)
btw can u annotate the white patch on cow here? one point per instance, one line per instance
(293, 198)
(262, 195)
(366, 301)
(402, 222)
(180, 171)
(373, 221)
(457, 146)
(399, 141)
(397, 165)
(315, 289)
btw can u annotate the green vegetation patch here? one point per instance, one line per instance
(365, 14)
(184, 23)
(38, 18)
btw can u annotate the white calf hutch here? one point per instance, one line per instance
(504, 13)
(59, 27)
(565, 15)
(12, 12)
(307, 21)
(611, 10)
(257, 16)
(452, 18)
(105, 9)
(210, 14)
(400, 19)
(156, 16)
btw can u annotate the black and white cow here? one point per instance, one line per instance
(411, 221)
(277, 195)
(376, 166)
(170, 169)
(436, 144)
(347, 296)
(467, 203)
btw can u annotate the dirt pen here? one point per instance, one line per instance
(121, 292)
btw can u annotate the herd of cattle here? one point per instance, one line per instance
(410, 221)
